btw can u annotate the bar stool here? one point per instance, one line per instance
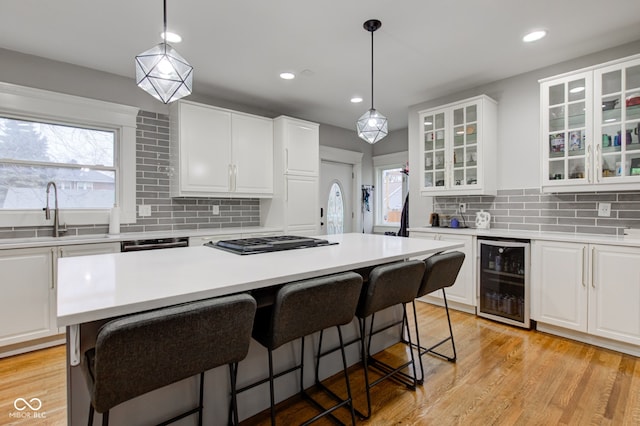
(300, 309)
(388, 285)
(441, 271)
(143, 352)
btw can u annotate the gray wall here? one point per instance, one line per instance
(518, 143)
(42, 73)
(338, 137)
(519, 115)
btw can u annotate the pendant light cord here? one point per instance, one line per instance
(371, 69)
(164, 38)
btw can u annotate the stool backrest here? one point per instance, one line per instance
(143, 352)
(305, 307)
(390, 285)
(441, 270)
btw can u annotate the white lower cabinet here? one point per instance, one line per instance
(27, 305)
(559, 278)
(590, 288)
(28, 302)
(614, 299)
(463, 292)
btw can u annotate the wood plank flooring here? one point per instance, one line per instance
(504, 376)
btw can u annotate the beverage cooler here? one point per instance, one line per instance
(503, 280)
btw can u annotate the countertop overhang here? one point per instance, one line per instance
(102, 286)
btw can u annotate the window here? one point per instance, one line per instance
(391, 199)
(86, 147)
(390, 189)
(335, 210)
(80, 161)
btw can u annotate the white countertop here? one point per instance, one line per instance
(103, 286)
(13, 243)
(534, 235)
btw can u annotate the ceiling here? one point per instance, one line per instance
(424, 50)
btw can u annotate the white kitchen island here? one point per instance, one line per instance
(94, 289)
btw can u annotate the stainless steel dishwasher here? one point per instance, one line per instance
(153, 244)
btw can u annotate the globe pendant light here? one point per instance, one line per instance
(372, 126)
(162, 72)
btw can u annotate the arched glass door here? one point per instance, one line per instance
(335, 210)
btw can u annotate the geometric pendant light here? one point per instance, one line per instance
(372, 126)
(162, 72)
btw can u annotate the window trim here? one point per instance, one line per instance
(27, 103)
(380, 163)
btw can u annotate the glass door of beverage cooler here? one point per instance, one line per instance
(503, 281)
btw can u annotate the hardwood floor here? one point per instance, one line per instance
(504, 376)
(41, 375)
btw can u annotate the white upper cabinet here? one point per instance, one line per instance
(252, 154)
(458, 148)
(300, 146)
(217, 152)
(589, 129)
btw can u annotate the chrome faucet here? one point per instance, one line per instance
(47, 211)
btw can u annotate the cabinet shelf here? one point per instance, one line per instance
(503, 274)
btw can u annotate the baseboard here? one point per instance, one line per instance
(602, 342)
(32, 345)
(470, 309)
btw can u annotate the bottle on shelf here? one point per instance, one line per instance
(498, 262)
(492, 262)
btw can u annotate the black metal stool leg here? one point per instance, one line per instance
(233, 412)
(271, 388)
(346, 378)
(105, 418)
(419, 347)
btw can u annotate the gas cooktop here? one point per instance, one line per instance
(268, 244)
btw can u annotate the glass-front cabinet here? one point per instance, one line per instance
(590, 128)
(617, 123)
(458, 148)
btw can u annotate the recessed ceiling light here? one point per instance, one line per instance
(428, 123)
(171, 37)
(577, 89)
(287, 75)
(356, 100)
(534, 36)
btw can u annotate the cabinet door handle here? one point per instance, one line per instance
(588, 164)
(593, 267)
(54, 268)
(585, 262)
(598, 163)
(230, 177)
(235, 177)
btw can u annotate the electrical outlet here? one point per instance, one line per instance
(215, 210)
(604, 209)
(462, 207)
(144, 210)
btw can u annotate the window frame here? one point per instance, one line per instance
(25, 103)
(380, 163)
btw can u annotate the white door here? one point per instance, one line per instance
(336, 197)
